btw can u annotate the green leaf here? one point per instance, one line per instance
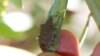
(17, 3)
(2, 8)
(2, 1)
(94, 6)
(57, 13)
(59, 6)
(50, 30)
(8, 32)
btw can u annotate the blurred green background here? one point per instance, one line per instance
(20, 22)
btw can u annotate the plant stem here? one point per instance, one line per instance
(84, 33)
(94, 6)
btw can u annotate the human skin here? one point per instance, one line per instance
(68, 44)
(96, 51)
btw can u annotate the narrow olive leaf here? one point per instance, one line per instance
(84, 33)
(94, 6)
(96, 51)
(59, 6)
(50, 31)
(17, 3)
(57, 13)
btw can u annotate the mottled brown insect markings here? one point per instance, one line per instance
(47, 35)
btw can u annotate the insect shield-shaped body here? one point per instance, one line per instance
(47, 35)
